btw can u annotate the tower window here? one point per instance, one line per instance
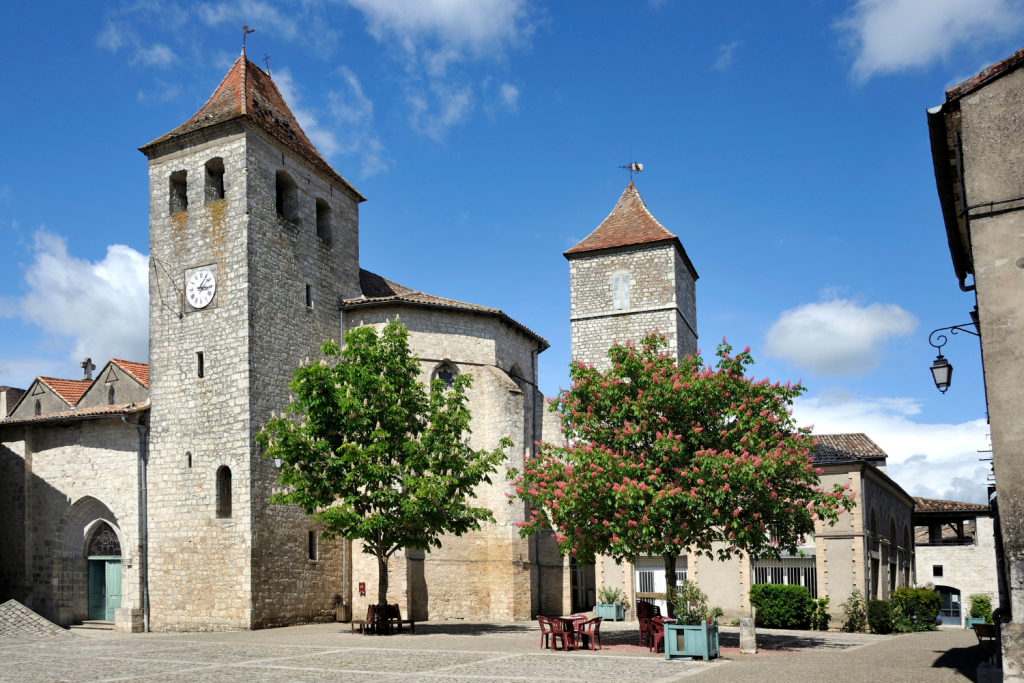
(620, 290)
(111, 395)
(188, 459)
(312, 545)
(446, 373)
(200, 365)
(309, 296)
(214, 180)
(287, 196)
(323, 220)
(39, 408)
(179, 192)
(224, 491)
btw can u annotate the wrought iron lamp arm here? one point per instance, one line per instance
(969, 328)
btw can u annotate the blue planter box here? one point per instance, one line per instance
(610, 612)
(691, 642)
(969, 622)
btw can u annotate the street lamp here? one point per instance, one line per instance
(942, 369)
(942, 373)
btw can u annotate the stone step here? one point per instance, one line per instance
(94, 626)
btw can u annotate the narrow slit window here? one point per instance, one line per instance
(39, 408)
(214, 191)
(323, 220)
(224, 492)
(312, 545)
(309, 296)
(111, 396)
(188, 458)
(179, 192)
(200, 365)
(620, 285)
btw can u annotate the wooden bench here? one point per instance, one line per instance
(394, 618)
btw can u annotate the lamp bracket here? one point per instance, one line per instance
(969, 328)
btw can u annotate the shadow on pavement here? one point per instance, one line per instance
(960, 658)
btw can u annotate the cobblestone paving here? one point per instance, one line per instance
(18, 621)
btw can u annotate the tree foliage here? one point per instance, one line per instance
(373, 454)
(665, 458)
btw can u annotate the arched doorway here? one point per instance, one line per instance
(950, 609)
(104, 554)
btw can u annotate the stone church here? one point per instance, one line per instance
(139, 498)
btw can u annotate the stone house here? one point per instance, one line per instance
(145, 486)
(955, 545)
(977, 144)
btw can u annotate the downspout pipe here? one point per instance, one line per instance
(144, 521)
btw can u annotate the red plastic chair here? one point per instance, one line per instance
(563, 629)
(657, 633)
(545, 631)
(590, 630)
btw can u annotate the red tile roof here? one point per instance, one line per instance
(68, 389)
(858, 444)
(378, 290)
(247, 92)
(987, 75)
(97, 411)
(936, 505)
(139, 371)
(629, 223)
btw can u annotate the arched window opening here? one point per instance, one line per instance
(39, 407)
(323, 220)
(446, 373)
(516, 372)
(224, 491)
(214, 191)
(111, 395)
(620, 289)
(104, 542)
(287, 196)
(179, 192)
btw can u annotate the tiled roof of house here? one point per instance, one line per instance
(936, 505)
(986, 75)
(247, 92)
(97, 411)
(827, 455)
(858, 444)
(139, 371)
(629, 223)
(378, 290)
(68, 389)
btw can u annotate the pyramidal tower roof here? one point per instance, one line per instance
(246, 92)
(629, 223)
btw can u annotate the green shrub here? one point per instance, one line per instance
(856, 612)
(782, 606)
(880, 616)
(981, 607)
(915, 609)
(689, 604)
(607, 595)
(820, 616)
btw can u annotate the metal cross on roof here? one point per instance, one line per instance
(245, 32)
(266, 60)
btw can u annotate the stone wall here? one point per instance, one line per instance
(661, 291)
(72, 475)
(970, 569)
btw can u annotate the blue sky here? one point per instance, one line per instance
(785, 144)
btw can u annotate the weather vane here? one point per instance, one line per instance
(246, 31)
(634, 167)
(266, 60)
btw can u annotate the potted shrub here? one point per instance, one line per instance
(695, 633)
(981, 610)
(610, 604)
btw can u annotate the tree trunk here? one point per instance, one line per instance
(670, 583)
(381, 617)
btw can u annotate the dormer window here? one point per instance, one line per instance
(179, 192)
(214, 191)
(620, 289)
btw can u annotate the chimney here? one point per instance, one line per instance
(88, 367)
(9, 397)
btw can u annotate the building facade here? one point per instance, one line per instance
(977, 143)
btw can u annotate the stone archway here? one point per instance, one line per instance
(81, 523)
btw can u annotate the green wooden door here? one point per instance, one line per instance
(113, 581)
(97, 590)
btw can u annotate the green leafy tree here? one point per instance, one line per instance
(664, 458)
(373, 454)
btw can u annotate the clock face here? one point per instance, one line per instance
(200, 288)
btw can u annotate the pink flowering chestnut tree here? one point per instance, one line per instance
(665, 458)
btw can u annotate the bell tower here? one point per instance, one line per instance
(253, 242)
(628, 277)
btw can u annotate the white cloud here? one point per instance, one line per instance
(352, 112)
(97, 309)
(453, 104)
(893, 35)
(510, 96)
(158, 55)
(725, 56)
(837, 337)
(930, 460)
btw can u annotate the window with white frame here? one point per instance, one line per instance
(620, 289)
